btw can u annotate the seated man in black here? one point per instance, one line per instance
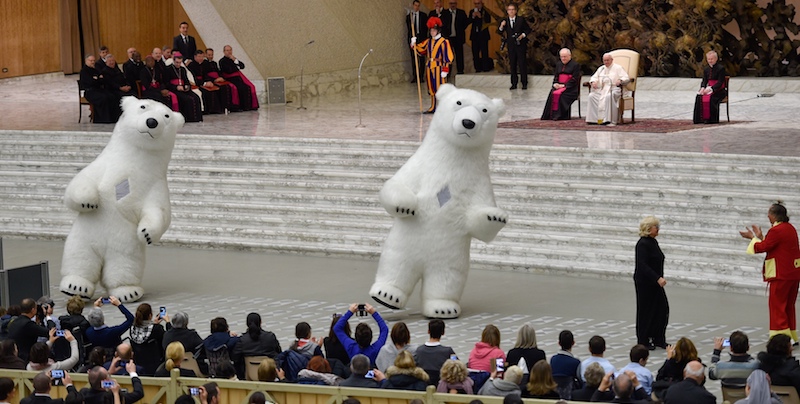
(152, 82)
(96, 394)
(566, 85)
(92, 83)
(41, 390)
(212, 101)
(116, 83)
(132, 67)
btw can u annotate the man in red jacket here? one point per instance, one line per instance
(781, 268)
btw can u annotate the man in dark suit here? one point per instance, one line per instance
(437, 12)
(455, 24)
(24, 331)
(626, 389)
(690, 389)
(96, 394)
(479, 34)
(419, 21)
(132, 68)
(41, 391)
(516, 30)
(184, 42)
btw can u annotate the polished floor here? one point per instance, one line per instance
(286, 289)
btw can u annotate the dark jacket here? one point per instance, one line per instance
(91, 396)
(360, 381)
(406, 379)
(531, 355)
(25, 333)
(266, 345)
(217, 339)
(73, 397)
(110, 336)
(688, 391)
(188, 337)
(649, 263)
(335, 350)
(782, 370)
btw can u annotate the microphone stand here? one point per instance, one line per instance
(360, 125)
(302, 59)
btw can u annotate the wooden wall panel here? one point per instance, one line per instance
(29, 37)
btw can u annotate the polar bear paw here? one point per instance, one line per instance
(389, 296)
(144, 236)
(76, 286)
(127, 294)
(441, 309)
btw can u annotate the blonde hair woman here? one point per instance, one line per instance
(525, 348)
(405, 375)
(652, 307)
(454, 378)
(174, 355)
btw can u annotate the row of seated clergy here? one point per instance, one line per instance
(103, 90)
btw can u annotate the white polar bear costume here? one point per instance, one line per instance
(441, 198)
(122, 202)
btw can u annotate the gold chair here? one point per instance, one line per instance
(629, 60)
(733, 394)
(189, 362)
(251, 364)
(787, 394)
(83, 101)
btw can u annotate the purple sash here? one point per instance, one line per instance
(707, 100)
(234, 90)
(562, 79)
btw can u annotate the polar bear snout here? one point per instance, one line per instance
(152, 123)
(467, 123)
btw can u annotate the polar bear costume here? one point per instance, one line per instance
(441, 198)
(122, 202)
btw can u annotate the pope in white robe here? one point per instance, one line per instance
(606, 92)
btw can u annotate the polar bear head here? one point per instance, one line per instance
(466, 118)
(147, 124)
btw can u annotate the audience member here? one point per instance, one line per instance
(565, 365)
(479, 35)
(626, 389)
(257, 398)
(269, 372)
(401, 338)
(225, 370)
(103, 53)
(304, 343)
(41, 391)
(734, 372)
(211, 94)
(183, 42)
(177, 82)
(432, 355)
(255, 342)
(454, 378)
(525, 349)
(486, 351)
(115, 79)
(219, 345)
(101, 334)
(44, 313)
(39, 358)
(333, 347)
(779, 363)
(174, 354)
(605, 92)
(152, 81)
(146, 336)
(405, 374)
(690, 389)
(132, 68)
(181, 332)
(166, 55)
(508, 384)
(565, 89)
(361, 375)
(118, 364)
(515, 399)
(13, 311)
(230, 93)
(75, 322)
(96, 394)
(362, 343)
(597, 347)
(678, 356)
(455, 24)
(639, 354)
(96, 357)
(712, 91)
(230, 68)
(318, 371)
(24, 331)
(758, 390)
(102, 100)
(594, 376)
(8, 356)
(209, 393)
(540, 383)
(159, 58)
(416, 26)
(8, 391)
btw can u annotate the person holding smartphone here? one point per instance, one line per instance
(97, 393)
(43, 382)
(147, 334)
(40, 354)
(486, 352)
(101, 334)
(363, 334)
(734, 372)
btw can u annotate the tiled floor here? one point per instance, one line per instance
(287, 289)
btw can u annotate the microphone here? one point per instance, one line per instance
(310, 42)
(370, 51)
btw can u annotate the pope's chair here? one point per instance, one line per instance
(629, 60)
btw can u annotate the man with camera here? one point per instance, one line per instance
(41, 388)
(101, 386)
(734, 372)
(362, 375)
(363, 334)
(516, 31)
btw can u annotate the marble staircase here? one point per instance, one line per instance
(572, 211)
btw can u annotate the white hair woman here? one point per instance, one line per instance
(652, 307)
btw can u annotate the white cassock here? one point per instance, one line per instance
(604, 100)
(197, 91)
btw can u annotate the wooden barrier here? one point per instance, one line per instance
(161, 390)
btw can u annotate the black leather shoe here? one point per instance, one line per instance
(429, 111)
(662, 345)
(512, 88)
(524, 87)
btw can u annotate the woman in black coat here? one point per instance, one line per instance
(652, 308)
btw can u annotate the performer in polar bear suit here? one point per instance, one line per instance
(122, 202)
(441, 198)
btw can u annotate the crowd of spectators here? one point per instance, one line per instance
(155, 346)
(186, 79)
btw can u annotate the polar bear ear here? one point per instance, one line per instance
(499, 106)
(443, 90)
(128, 102)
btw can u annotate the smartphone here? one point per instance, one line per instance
(107, 384)
(162, 311)
(194, 391)
(370, 374)
(105, 300)
(454, 357)
(362, 310)
(499, 364)
(57, 377)
(726, 343)
(60, 333)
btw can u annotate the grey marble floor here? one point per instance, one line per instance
(49, 103)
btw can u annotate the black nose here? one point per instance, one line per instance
(468, 123)
(152, 123)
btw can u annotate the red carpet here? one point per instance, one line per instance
(641, 125)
